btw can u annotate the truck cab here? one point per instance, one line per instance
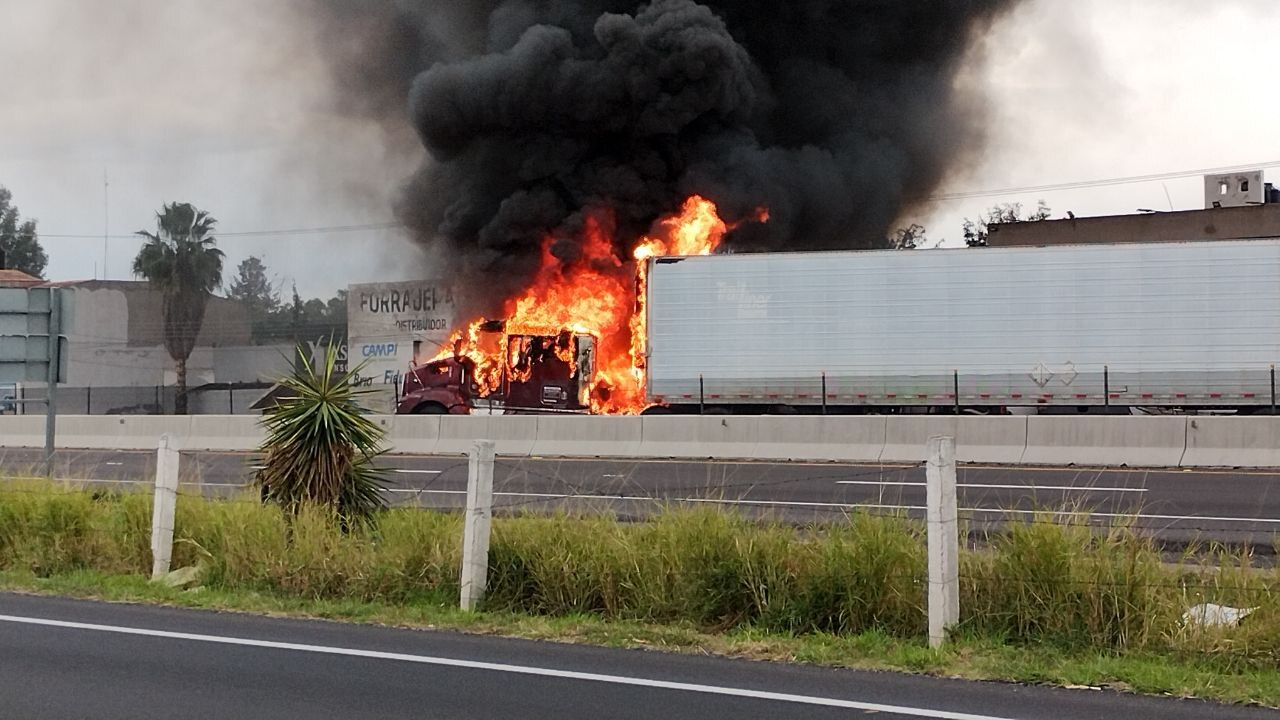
(439, 387)
(527, 373)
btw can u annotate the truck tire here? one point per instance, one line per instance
(430, 409)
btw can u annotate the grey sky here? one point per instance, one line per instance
(224, 104)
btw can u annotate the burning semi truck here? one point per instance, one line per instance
(1181, 326)
(542, 373)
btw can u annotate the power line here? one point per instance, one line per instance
(243, 233)
(941, 197)
(310, 231)
(1079, 184)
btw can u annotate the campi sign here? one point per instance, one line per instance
(378, 350)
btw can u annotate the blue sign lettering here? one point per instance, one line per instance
(378, 350)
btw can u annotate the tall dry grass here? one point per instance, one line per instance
(1056, 582)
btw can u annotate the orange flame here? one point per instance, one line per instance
(597, 294)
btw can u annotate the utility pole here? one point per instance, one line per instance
(51, 388)
(106, 209)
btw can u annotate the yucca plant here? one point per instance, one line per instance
(321, 445)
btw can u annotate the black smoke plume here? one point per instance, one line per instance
(834, 114)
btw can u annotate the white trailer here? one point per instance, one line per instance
(1178, 325)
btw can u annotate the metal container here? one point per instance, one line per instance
(1162, 324)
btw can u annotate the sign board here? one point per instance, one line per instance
(27, 324)
(390, 326)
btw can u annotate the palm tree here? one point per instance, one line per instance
(180, 261)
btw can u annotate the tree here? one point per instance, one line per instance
(908, 238)
(304, 320)
(977, 231)
(321, 445)
(19, 241)
(253, 289)
(181, 261)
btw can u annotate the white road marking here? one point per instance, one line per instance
(416, 472)
(781, 503)
(850, 506)
(112, 463)
(511, 669)
(109, 482)
(186, 483)
(1081, 488)
(1240, 472)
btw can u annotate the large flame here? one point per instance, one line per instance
(598, 294)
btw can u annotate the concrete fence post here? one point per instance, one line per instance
(944, 543)
(476, 523)
(165, 503)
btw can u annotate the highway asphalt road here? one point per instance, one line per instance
(79, 659)
(1177, 504)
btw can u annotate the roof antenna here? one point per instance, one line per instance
(105, 218)
(1167, 196)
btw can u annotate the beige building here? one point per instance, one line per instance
(117, 362)
(1238, 206)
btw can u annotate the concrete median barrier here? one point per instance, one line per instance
(1039, 440)
(727, 437)
(578, 436)
(119, 432)
(513, 435)
(1252, 442)
(411, 434)
(818, 439)
(979, 439)
(1105, 441)
(222, 432)
(21, 431)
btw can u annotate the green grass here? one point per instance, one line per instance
(1047, 602)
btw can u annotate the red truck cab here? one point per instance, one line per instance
(439, 387)
(538, 373)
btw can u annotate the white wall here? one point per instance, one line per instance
(384, 320)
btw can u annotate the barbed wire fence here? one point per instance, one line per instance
(637, 489)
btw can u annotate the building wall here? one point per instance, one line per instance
(390, 326)
(226, 322)
(1227, 223)
(224, 402)
(266, 363)
(117, 362)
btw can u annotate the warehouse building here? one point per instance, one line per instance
(1237, 206)
(117, 362)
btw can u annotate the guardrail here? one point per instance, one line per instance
(1106, 441)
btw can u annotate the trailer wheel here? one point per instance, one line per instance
(430, 409)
